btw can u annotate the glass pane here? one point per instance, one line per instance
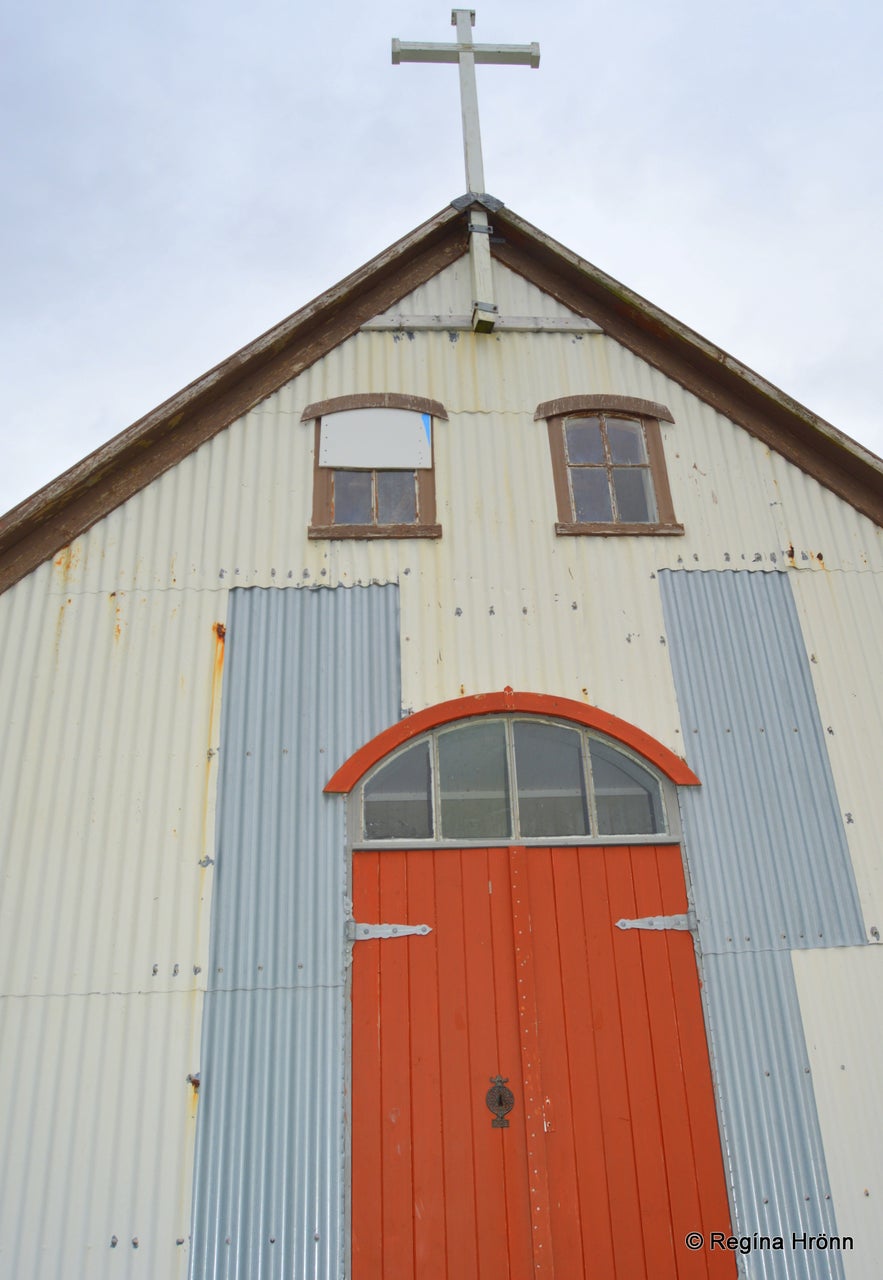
(474, 782)
(627, 796)
(634, 495)
(352, 497)
(591, 495)
(397, 801)
(396, 497)
(584, 443)
(626, 440)
(551, 786)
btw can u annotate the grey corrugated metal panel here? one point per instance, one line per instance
(764, 837)
(268, 1186)
(839, 993)
(841, 616)
(97, 1135)
(310, 676)
(107, 789)
(768, 1113)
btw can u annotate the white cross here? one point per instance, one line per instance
(467, 54)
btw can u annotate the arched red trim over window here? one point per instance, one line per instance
(483, 704)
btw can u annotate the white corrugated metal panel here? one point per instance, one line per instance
(837, 991)
(841, 616)
(236, 512)
(111, 719)
(450, 294)
(97, 1132)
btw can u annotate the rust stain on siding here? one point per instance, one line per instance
(219, 632)
(67, 560)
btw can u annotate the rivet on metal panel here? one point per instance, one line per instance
(155, 970)
(179, 1240)
(114, 1241)
(850, 820)
(875, 933)
(135, 1242)
(176, 970)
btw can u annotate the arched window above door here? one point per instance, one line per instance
(511, 778)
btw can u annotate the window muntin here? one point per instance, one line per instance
(608, 465)
(375, 498)
(496, 779)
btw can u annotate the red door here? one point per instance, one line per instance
(611, 1155)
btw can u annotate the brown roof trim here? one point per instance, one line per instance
(374, 400)
(51, 518)
(615, 404)
(38, 527)
(831, 457)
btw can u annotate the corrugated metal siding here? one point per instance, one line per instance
(768, 1113)
(111, 706)
(841, 616)
(236, 511)
(311, 675)
(764, 838)
(96, 1133)
(119, 695)
(837, 989)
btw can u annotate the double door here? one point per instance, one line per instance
(610, 1154)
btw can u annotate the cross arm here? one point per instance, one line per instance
(510, 55)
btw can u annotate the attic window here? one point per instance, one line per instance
(373, 473)
(608, 465)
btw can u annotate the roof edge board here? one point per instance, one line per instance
(49, 519)
(852, 471)
(40, 526)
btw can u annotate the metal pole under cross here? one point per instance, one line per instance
(467, 54)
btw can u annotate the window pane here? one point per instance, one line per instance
(396, 497)
(474, 782)
(626, 440)
(591, 495)
(634, 495)
(584, 443)
(551, 787)
(352, 497)
(627, 796)
(398, 799)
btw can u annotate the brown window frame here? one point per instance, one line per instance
(649, 414)
(322, 524)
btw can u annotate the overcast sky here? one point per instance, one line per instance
(180, 175)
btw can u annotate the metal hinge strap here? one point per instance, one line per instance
(357, 932)
(685, 923)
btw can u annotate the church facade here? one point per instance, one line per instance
(440, 811)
